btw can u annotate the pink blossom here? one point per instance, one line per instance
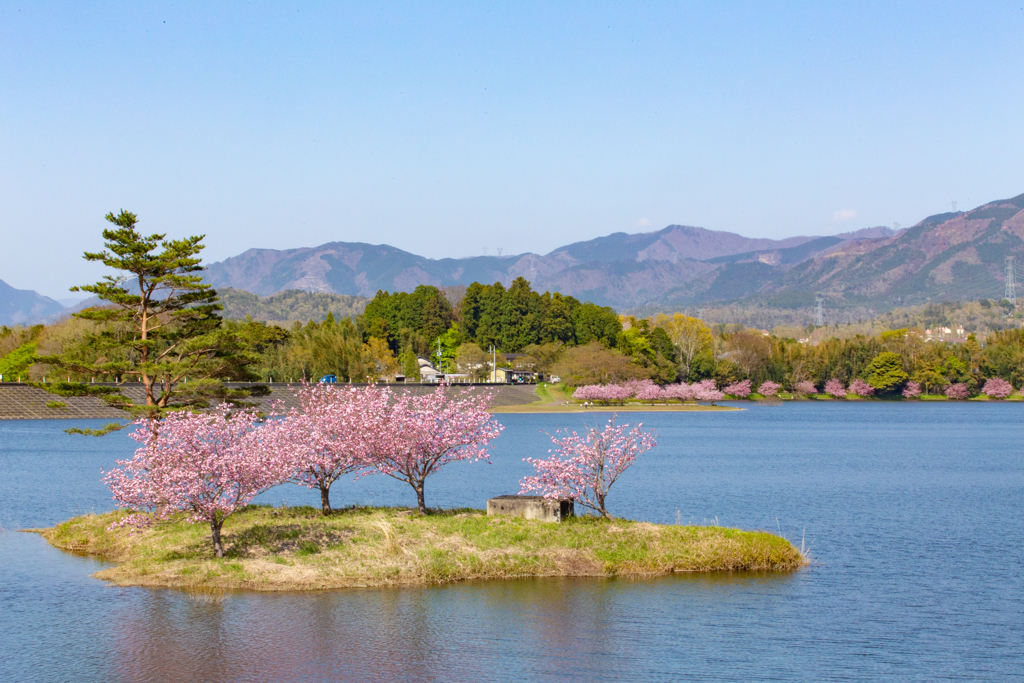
(651, 393)
(957, 392)
(706, 391)
(835, 388)
(416, 436)
(584, 468)
(325, 437)
(769, 388)
(997, 387)
(912, 390)
(635, 386)
(206, 465)
(738, 389)
(861, 388)
(589, 392)
(805, 387)
(681, 391)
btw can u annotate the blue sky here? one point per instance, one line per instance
(445, 129)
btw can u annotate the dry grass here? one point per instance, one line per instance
(276, 549)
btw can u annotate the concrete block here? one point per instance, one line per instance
(531, 507)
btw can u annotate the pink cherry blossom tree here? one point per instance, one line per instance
(416, 436)
(738, 389)
(769, 388)
(707, 391)
(835, 388)
(651, 393)
(681, 392)
(588, 392)
(996, 387)
(324, 437)
(912, 390)
(957, 392)
(805, 387)
(635, 386)
(584, 468)
(861, 388)
(207, 465)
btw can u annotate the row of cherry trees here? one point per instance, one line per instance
(648, 391)
(209, 465)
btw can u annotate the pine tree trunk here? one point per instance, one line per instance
(325, 499)
(218, 546)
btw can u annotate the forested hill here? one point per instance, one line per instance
(289, 306)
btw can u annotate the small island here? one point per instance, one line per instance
(299, 548)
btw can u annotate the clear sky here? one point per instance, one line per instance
(448, 128)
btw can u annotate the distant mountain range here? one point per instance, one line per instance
(22, 306)
(620, 270)
(951, 256)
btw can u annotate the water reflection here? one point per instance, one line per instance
(543, 629)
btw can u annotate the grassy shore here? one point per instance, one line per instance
(280, 549)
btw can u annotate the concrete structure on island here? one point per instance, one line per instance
(531, 507)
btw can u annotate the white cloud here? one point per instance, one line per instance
(843, 215)
(642, 223)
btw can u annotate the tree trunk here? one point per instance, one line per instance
(218, 546)
(420, 501)
(325, 498)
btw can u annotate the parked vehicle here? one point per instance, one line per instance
(329, 379)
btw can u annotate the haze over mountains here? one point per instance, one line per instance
(951, 256)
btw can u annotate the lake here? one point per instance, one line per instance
(912, 513)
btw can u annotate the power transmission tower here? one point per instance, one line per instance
(1011, 293)
(954, 205)
(819, 319)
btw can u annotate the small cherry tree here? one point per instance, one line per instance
(805, 387)
(738, 389)
(707, 391)
(325, 437)
(769, 388)
(861, 388)
(205, 465)
(835, 388)
(912, 390)
(651, 392)
(415, 436)
(957, 392)
(681, 391)
(997, 387)
(584, 468)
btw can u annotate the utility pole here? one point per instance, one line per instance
(1011, 293)
(494, 364)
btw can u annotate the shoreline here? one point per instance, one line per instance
(290, 549)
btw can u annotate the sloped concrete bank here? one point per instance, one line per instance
(20, 401)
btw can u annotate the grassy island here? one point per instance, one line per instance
(280, 549)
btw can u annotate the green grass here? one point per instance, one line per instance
(275, 549)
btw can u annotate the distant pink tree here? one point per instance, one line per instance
(681, 392)
(912, 390)
(325, 437)
(996, 387)
(207, 465)
(769, 388)
(635, 386)
(805, 387)
(707, 391)
(589, 392)
(415, 436)
(738, 389)
(617, 394)
(957, 392)
(861, 388)
(835, 388)
(584, 468)
(651, 393)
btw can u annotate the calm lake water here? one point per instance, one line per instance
(912, 513)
